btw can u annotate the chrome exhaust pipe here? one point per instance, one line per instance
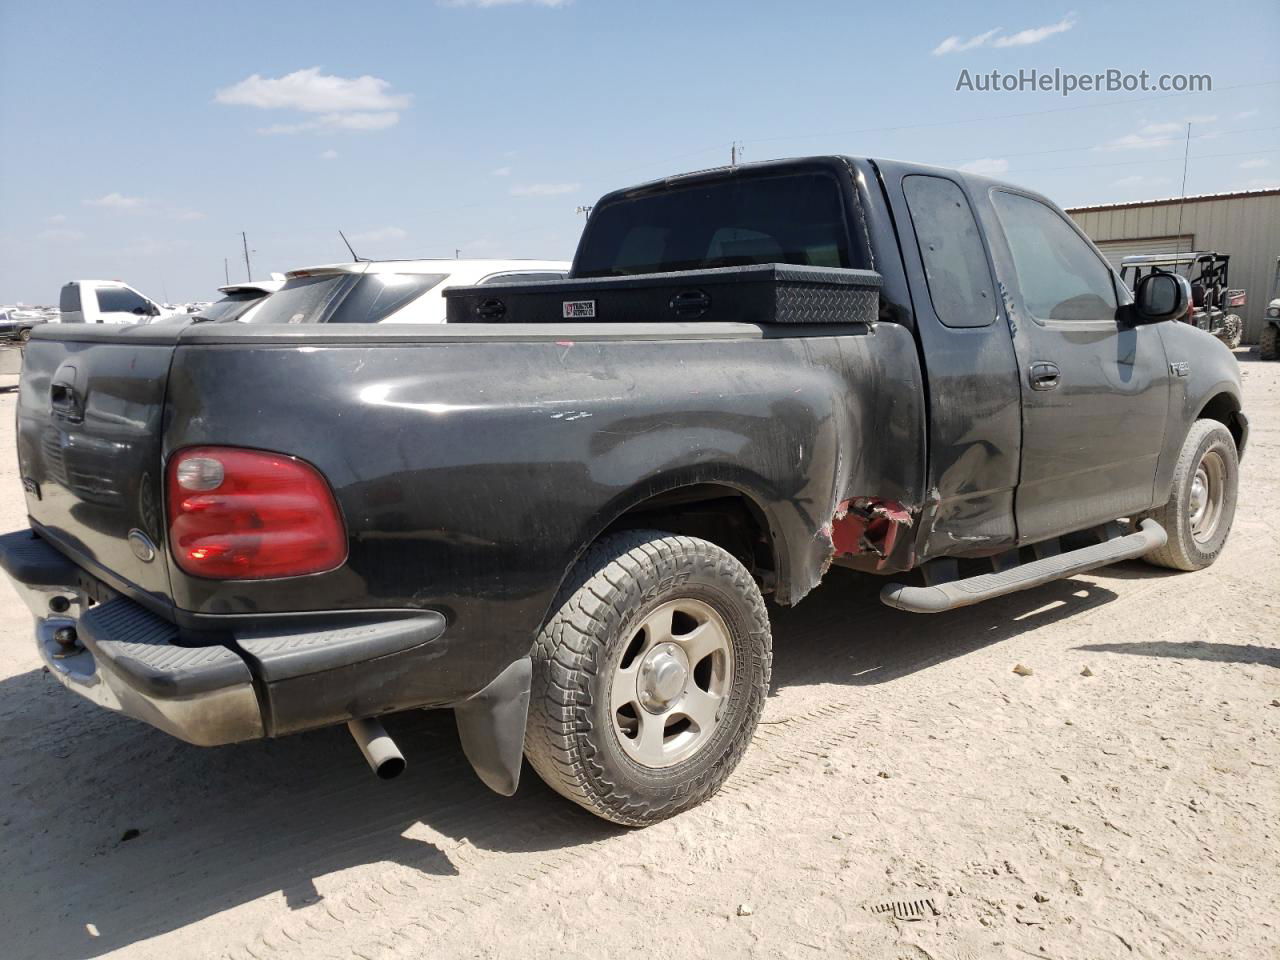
(378, 748)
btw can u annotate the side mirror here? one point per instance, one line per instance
(1160, 297)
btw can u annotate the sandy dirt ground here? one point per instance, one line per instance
(1131, 813)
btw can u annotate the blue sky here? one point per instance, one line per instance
(140, 138)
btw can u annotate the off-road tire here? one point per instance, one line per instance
(1267, 341)
(1232, 330)
(570, 739)
(1182, 551)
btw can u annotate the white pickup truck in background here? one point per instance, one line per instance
(107, 301)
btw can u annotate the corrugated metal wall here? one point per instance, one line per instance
(1247, 228)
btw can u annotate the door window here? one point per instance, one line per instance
(120, 300)
(955, 265)
(1060, 276)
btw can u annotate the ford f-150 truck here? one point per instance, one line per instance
(561, 516)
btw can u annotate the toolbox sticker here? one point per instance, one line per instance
(579, 309)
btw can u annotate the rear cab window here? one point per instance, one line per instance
(343, 297)
(69, 299)
(792, 216)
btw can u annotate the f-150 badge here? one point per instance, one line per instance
(1180, 368)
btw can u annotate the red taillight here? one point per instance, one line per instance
(247, 514)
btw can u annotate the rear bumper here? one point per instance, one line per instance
(255, 682)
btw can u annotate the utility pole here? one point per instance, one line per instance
(1186, 155)
(457, 254)
(735, 154)
(585, 211)
(226, 271)
(247, 269)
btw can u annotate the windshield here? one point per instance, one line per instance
(344, 298)
(230, 307)
(791, 218)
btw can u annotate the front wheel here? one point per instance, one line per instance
(649, 677)
(1202, 501)
(24, 334)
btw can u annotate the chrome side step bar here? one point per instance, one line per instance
(961, 593)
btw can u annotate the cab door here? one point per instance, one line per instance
(1095, 389)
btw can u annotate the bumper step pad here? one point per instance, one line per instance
(142, 648)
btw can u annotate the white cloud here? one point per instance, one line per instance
(987, 166)
(1255, 164)
(502, 172)
(544, 189)
(1262, 183)
(957, 44)
(117, 201)
(344, 103)
(329, 155)
(1159, 134)
(1246, 114)
(1024, 38)
(993, 38)
(183, 214)
(378, 235)
(58, 218)
(502, 3)
(313, 92)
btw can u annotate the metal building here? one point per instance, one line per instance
(1245, 226)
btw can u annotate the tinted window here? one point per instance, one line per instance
(343, 298)
(955, 265)
(1060, 276)
(120, 300)
(378, 295)
(69, 300)
(794, 218)
(302, 299)
(230, 307)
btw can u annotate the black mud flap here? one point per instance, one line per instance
(491, 725)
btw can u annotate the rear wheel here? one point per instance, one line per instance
(24, 334)
(1202, 501)
(649, 677)
(1267, 342)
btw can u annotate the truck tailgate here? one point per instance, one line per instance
(90, 411)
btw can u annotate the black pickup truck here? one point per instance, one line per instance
(560, 516)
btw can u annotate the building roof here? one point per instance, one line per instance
(1167, 201)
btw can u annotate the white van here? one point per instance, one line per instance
(107, 301)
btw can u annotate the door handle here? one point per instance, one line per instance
(1045, 375)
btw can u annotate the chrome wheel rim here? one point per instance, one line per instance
(1208, 488)
(671, 684)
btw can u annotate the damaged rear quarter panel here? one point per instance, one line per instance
(472, 474)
